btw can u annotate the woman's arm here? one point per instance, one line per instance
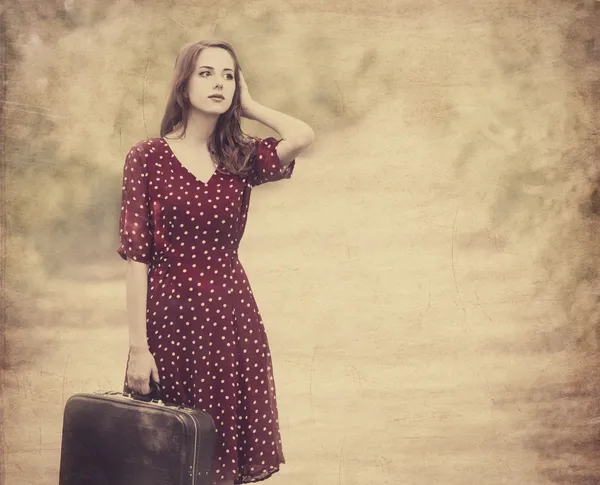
(137, 288)
(296, 135)
(141, 361)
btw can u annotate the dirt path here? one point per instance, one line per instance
(433, 362)
(432, 394)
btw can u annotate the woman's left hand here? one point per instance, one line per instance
(245, 99)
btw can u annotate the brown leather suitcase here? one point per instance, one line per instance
(116, 438)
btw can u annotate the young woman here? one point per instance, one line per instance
(194, 325)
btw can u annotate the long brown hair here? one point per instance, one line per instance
(228, 144)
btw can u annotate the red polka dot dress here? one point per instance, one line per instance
(203, 324)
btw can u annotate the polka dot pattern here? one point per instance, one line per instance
(267, 166)
(204, 326)
(135, 219)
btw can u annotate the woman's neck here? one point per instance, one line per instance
(199, 126)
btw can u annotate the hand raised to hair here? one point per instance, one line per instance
(245, 98)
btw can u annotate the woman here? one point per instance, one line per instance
(194, 325)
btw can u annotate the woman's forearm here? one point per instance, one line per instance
(290, 128)
(137, 291)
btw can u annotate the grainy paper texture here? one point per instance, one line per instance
(427, 277)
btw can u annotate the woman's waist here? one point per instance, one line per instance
(223, 271)
(195, 255)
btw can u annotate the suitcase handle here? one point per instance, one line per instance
(153, 396)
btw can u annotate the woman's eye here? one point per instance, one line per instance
(204, 72)
(230, 76)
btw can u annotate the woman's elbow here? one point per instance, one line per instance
(306, 137)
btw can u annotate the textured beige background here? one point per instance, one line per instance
(426, 277)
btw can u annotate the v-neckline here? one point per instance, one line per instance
(185, 168)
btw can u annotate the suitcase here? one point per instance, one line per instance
(119, 438)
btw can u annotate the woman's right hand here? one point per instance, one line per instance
(141, 367)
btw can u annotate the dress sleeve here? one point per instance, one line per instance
(135, 222)
(266, 164)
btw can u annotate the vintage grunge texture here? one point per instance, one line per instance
(428, 277)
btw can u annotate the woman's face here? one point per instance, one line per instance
(214, 75)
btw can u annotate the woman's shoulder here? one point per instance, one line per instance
(145, 147)
(261, 144)
(143, 156)
(264, 142)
